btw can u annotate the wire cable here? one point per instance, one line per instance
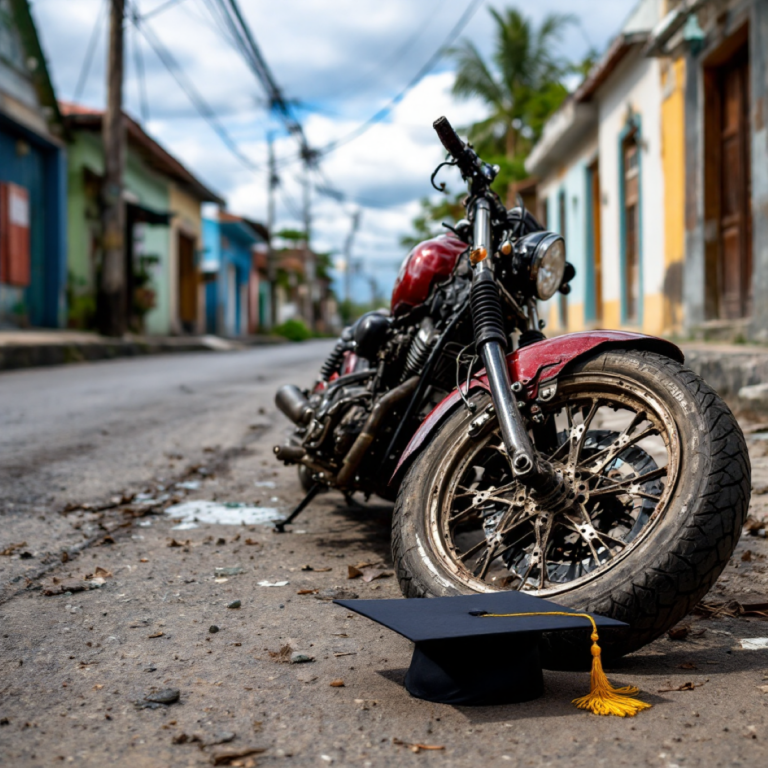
(138, 65)
(200, 104)
(455, 31)
(160, 8)
(89, 52)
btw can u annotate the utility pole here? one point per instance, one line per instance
(348, 258)
(274, 180)
(112, 299)
(309, 258)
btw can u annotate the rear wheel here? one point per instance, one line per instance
(658, 478)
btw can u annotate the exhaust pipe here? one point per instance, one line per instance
(290, 400)
(290, 454)
(366, 437)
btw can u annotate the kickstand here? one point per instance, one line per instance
(311, 493)
(350, 501)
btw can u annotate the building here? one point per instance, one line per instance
(656, 170)
(714, 55)
(32, 179)
(164, 289)
(600, 170)
(236, 293)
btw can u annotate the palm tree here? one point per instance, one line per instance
(521, 85)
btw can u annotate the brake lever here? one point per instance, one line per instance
(441, 188)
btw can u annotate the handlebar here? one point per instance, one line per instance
(466, 159)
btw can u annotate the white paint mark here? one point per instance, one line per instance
(190, 513)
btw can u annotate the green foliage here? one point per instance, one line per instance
(349, 311)
(522, 86)
(293, 330)
(294, 235)
(428, 223)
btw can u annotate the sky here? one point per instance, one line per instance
(338, 62)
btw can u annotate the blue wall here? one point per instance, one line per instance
(226, 244)
(42, 171)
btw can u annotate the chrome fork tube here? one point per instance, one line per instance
(491, 340)
(519, 447)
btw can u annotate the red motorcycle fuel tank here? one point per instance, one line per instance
(429, 262)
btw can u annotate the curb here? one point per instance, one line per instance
(14, 356)
(738, 376)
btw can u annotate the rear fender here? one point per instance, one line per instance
(535, 367)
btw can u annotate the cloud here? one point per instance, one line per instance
(339, 61)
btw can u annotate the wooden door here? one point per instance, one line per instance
(188, 284)
(597, 254)
(735, 262)
(631, 182)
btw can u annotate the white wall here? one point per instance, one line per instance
(635, 84)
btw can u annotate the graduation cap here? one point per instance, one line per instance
(484, 649)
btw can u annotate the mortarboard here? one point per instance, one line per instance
(483, 649)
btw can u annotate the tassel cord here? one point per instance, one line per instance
(603, 698)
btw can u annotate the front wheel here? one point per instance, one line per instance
(658, 482)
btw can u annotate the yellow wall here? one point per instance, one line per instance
(673, 168)
(187, 219)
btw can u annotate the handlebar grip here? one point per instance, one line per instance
(449, 138)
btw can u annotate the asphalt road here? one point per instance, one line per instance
(78, 443)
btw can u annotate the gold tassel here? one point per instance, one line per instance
(603, 698)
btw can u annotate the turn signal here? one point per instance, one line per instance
(478, 255)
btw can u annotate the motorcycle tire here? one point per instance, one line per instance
(665, 572)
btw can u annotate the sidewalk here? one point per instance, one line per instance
(26, 349)
(739, 372)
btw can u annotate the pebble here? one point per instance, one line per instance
(234, 604)
(301, 658)
(213, 629)
(166, 696)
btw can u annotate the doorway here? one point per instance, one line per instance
(728, 182)
(188, 284)
(594, 286)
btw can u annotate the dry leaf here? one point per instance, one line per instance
(283, 656)
(174, 543)
(746, 556)
(336, 683)
(307, 591)
(689, 686)
(416, 748)
(11, 548)
(157, 634)
(228, 756)
(687, 665)
(678, 633)
(252, 542)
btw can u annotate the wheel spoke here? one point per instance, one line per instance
(577, 441)
(473, 550)
(619, 445)
(481, 568)
(622, 487)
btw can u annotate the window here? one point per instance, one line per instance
(562, 219)
(631, 245)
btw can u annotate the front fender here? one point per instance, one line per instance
(535, 366)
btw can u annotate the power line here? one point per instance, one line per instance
(160, 8)
(392, 56)
(249, 49)
(89, 52)
(138, 64)
(456, 30)
(200, 104)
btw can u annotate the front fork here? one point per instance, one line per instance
(491, 343)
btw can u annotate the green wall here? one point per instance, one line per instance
(143, 185)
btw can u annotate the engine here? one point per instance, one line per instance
(344, 425)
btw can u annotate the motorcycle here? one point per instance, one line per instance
(592, 468)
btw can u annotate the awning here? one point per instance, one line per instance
(141, 214)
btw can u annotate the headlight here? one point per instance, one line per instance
(545, 254)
